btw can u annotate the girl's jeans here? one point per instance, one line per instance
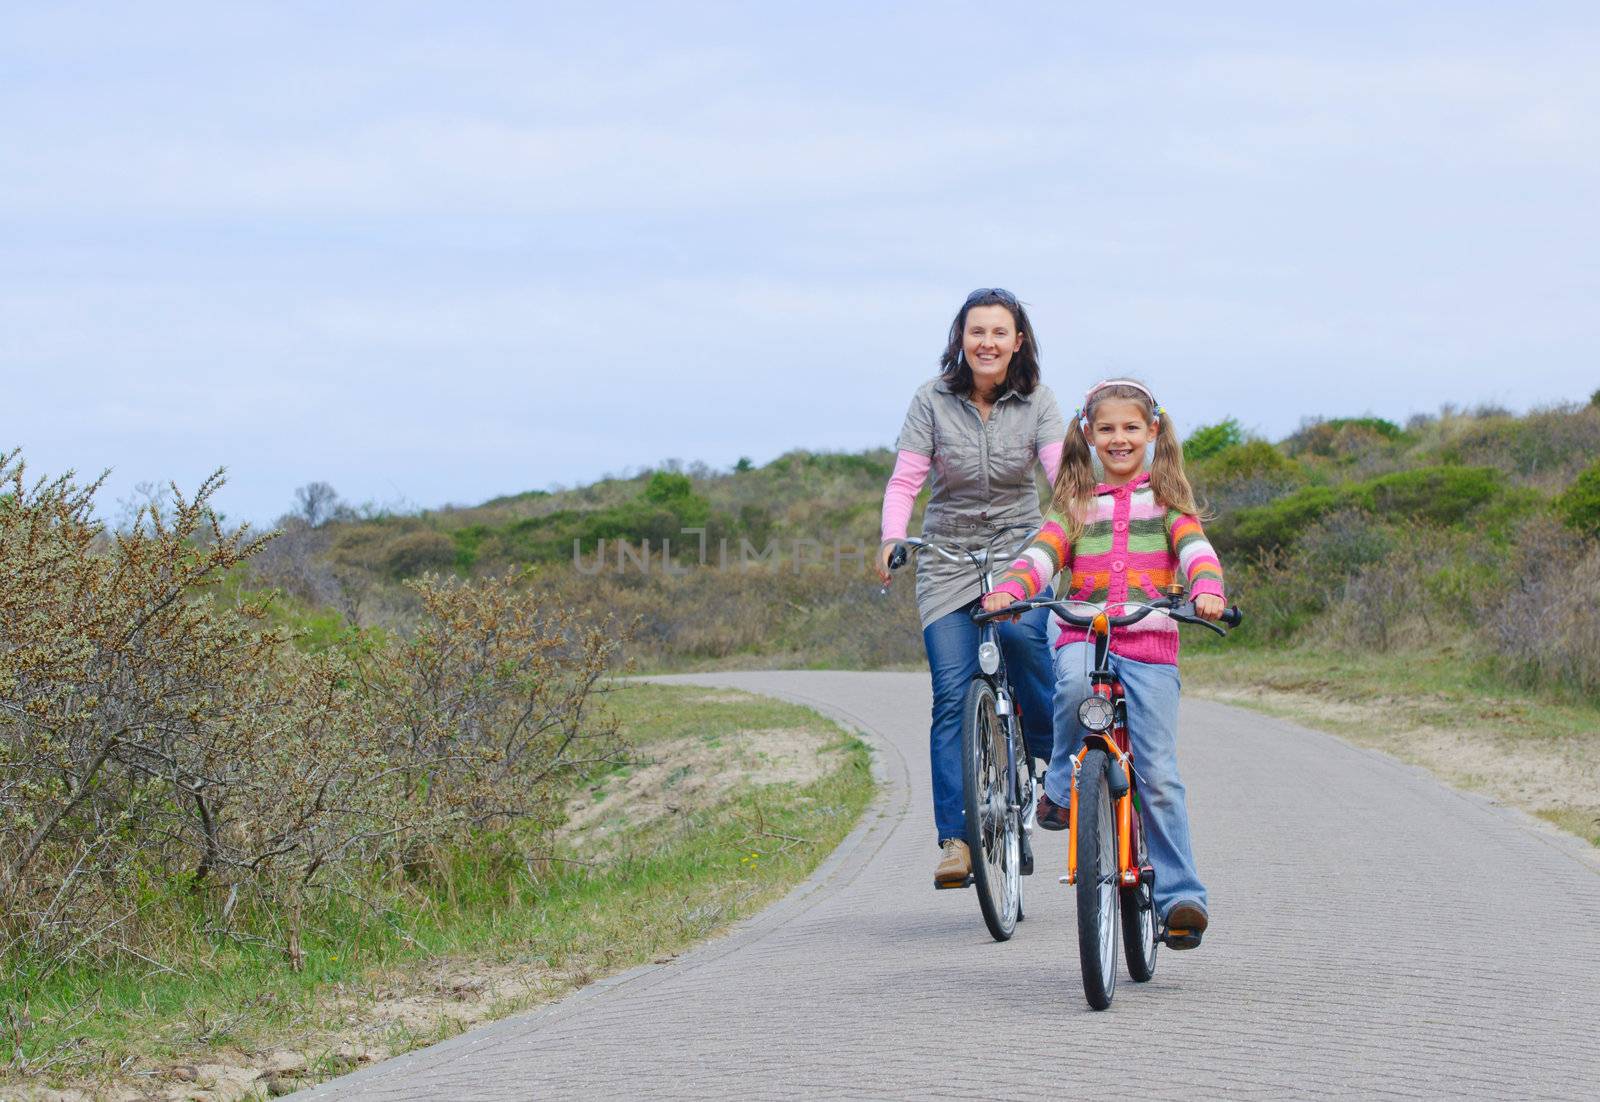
(952, 645)
(1151, 690)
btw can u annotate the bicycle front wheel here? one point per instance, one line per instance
(1097, 881)
(993, 832)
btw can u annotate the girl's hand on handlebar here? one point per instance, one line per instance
(1208, 606)
(994, 602)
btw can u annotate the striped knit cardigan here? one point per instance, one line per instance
(1130, 549)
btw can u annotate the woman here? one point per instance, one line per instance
(979, 428)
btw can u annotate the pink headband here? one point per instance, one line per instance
(1102, 384)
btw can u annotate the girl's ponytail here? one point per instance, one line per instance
(1167, 480)
(1073, 496)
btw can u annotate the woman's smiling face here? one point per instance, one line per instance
(1119, 435)
(989, 341)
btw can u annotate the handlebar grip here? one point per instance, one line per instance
(897, 557)
(1232, 616)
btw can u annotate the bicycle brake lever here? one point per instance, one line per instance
(1218, 628)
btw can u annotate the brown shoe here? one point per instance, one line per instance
(955, 866)
(1049, 814)
(1186, 923)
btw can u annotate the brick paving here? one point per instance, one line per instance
(1374, 935)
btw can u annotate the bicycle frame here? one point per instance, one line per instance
(1114, 742)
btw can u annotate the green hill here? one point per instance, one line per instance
(1345, 522)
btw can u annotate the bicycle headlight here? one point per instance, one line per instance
(988, 658)
(1095, 713)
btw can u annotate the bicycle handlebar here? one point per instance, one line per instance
(1182, 611)
(950, 552)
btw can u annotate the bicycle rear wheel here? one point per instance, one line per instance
(1097, 881)
(993, 832)
(1140, 929)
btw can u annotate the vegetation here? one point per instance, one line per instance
(483, 935)
(1419, 520)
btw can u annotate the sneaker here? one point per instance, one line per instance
(1186, 922)
(1050, 815)
(955, 864)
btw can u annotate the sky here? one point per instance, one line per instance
(437, 253)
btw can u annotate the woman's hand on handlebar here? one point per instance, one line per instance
(1208, 606)
(884, 552)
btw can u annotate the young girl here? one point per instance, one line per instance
(1123, 539)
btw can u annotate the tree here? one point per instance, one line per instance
(316, 503)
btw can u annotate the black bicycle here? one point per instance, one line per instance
(997, 773)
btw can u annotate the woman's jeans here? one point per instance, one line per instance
(1151, 690)
(952, 645)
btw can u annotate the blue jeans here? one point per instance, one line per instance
(1151, 690)
(952, 645)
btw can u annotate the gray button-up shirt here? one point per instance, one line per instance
(982, 479)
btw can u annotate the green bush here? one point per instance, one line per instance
(1440, 495)
(1555, 442)
(1579, 504)
(1251, 459)
(1344, 438)
(419, 552)
(1209, 440)
(1277, 524)
(1437, 495)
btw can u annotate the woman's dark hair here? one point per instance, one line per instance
(1023, 373)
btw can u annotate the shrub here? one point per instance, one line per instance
(1579, 504)
(1544, 446)
(1251, 459)
(1277, 524)
(155, 735)
(418, 552)
(1244, 475)
(1209, 440)
(1343, 438)
(1438, 495)
(1539, 616)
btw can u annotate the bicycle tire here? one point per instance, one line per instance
(1098, 893)
(992, 828)
(1141, 932)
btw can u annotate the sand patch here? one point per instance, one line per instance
(686, 774)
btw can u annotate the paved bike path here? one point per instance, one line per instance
(1375, 934)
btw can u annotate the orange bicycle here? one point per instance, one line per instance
(1107, 861)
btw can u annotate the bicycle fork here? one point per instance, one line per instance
(1118, 780)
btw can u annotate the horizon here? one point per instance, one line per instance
(442, 256)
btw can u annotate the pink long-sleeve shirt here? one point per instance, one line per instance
(911, 472)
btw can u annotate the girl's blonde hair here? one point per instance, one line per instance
(1074, 494)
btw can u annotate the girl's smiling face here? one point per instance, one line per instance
(1119, 435)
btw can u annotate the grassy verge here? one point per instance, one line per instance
(1444, 709)
(232, 1021)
